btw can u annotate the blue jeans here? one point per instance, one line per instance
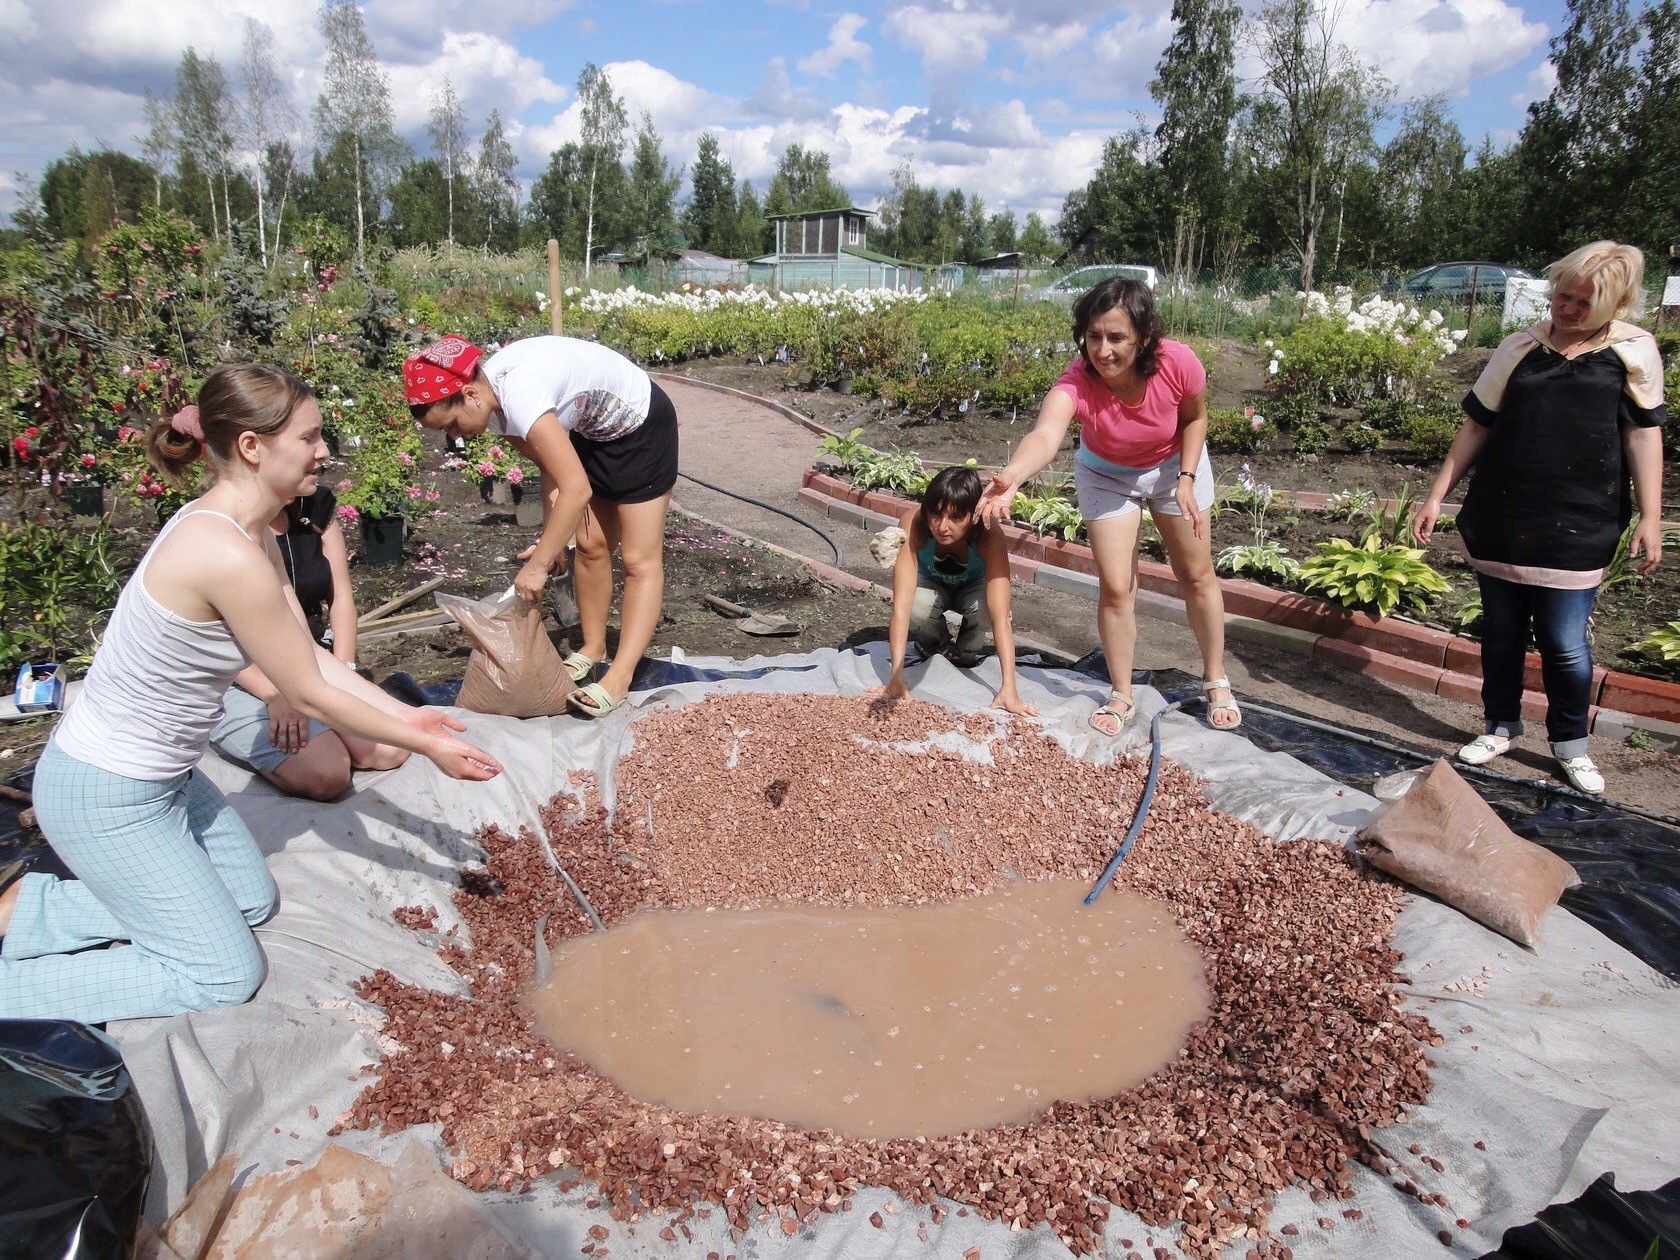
(1558, 621)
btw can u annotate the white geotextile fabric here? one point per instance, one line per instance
(1568, 1073)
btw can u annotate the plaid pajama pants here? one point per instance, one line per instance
(167, 867)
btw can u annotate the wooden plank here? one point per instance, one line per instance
(391, 605)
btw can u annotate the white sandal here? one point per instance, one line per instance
(1211, 685)
(1112, 708)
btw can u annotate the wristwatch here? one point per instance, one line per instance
(1191, 475)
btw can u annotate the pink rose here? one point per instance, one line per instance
(347, 515)
(88, 461)
(516, 476)
(486, 468)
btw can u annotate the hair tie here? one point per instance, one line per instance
(186, 423)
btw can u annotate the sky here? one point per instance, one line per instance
(1011, 99)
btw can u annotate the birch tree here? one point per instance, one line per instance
(160, 141)
(267, 118)
(202, 117)
(447, 127)
(355, 106)
(498, 189)
(603, 121)
(1312, 116)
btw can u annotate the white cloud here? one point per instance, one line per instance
(486, 72)
(1125, 55)
(1537, 86)
(843, 46)
(953, 42)
(777, 98)
(1429, 46)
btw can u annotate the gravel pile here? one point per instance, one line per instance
(747, 800)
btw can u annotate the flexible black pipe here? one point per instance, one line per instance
(1143, 803)
(771, 507)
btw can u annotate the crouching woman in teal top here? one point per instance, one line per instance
(950, 561)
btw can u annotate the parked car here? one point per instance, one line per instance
(1455, 281)
(1077, 281)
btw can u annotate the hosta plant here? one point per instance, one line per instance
(1662, 645)
(887, 470)
(1048, 514)
(1372, 575)
(1263, 559)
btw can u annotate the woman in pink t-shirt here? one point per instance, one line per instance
(1141, 403)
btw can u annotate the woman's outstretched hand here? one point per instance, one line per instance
(455, 757)
(997, 500)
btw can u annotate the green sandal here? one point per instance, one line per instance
(579, 667)
(592, 700)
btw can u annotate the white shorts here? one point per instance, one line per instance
(1106, 489)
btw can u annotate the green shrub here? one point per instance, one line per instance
(1359, 438)
(1373, 576)
(51, 578)
(1343, 354)
(1430, 430)
(1312, 437)
(1243, 431)
(1350, 505)
(1291, 411)
(1385, 415)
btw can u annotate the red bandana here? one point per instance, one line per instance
(440, 370)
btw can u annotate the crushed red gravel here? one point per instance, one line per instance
(746, 800)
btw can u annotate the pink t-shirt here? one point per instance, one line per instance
(1144, 436)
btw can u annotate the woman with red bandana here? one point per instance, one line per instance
(605, 436)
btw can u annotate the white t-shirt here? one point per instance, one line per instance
(594, 392)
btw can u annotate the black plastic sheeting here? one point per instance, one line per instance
(1603, 1224)
(1628, 859)
(75, 1149)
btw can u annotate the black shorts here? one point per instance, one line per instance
(639, 466)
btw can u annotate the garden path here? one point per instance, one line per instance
(751, 448)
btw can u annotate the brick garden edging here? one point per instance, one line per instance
(1394, 649)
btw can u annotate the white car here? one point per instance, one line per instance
(1069, 287)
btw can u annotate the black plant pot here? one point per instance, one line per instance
(382, 539)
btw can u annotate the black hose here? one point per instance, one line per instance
(1143, 803)
(771, 507)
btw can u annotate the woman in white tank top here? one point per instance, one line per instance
(162, 862)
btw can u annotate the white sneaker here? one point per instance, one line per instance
(1483, 749)
(1583, 776)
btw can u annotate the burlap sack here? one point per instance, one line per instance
(513, 669)
(1443, 838)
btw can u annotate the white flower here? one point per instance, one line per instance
(1272, 368)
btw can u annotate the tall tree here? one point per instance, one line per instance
(602, 122)
(81, 193)
(1419, 174)
(709, 217)
(355, 107)
(1000, 232)
(447, 126)
(558, 198)
(803, 182)
(1036, 245)
(1652, 200)
(161, 140)
(497, 188)
(1111, 216)
(652, 216)
(267, 119)
(1314, 114)
(1196, 86)
(420, 205)
(1574, 149)
(752, 232)
(202, 115)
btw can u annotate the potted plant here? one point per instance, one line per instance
(381, 491)
(500, 472)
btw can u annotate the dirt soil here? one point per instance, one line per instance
(711, 548)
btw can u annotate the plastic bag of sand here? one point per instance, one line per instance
(1437, 834)
(514, 668)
